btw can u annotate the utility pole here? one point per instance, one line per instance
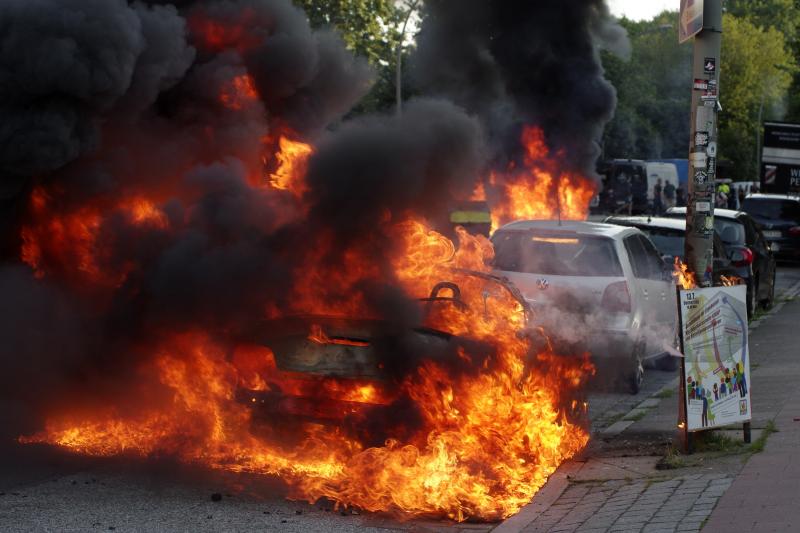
(699, 252)
(699, 244)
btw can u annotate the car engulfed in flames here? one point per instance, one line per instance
(350, 372)
(461, 411)
(371, 361)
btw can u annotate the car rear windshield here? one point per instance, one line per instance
(772, 208)
(555, 254)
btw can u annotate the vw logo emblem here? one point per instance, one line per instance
(542, 284)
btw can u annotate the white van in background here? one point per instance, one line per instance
(668, 172)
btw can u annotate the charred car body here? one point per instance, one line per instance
(349, 372)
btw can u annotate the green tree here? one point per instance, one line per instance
(369, 28)
(784, 16)
(756, 71)
(652, 117)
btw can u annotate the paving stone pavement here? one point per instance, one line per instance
(670, 505)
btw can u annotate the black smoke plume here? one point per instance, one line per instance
(104, 101)
(517, 62)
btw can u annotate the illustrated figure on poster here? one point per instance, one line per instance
(704, 417)
(716, 392)
(742, 379)
(723, 391)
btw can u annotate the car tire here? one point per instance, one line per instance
(636, 373)
(770, 299)
(752, 297)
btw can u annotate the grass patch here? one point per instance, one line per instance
(758, 315)
(718, 442)
(611, 420)
(638, 416)
(672, 459)
(665, 393)
(761, 441)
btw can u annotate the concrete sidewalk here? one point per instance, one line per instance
(620, 484)
(766, 494)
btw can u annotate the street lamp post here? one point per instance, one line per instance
(399, 71)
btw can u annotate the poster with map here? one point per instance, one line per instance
(717, 362)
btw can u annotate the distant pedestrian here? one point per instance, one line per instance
(669, 195)
(658, 204)
(741, 197)
(733, 198)
(721, 200)
(680, 196)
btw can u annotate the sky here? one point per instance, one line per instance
(641, 9)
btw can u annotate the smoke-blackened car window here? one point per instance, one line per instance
(558, 254)
(772, 209)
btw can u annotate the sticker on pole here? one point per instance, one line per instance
(717, 358)
(691, 19)
(710, 65)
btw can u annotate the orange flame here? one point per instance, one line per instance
(730, 281)
(489, 439)
(238, 92)
(540, 189)
(683, 276)
(292, 160)
(488, 435)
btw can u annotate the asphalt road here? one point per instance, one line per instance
(42, 489)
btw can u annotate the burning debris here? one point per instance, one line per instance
(211, 273)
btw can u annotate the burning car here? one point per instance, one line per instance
(353, 372)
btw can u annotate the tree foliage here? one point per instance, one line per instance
(654, 86)
(652, 114)
(370, 29)
(756, 72)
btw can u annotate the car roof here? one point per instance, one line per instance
(764, 196)
(582, 228)
(722, 213)
(650, 222)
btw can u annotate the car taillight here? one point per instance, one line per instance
(616, 298)
(795, 231)
(742, 257)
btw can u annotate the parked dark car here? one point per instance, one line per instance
(748, 249)
(668, 236)
(779, 217)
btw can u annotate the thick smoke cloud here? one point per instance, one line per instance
(421, 161)
(105, 102)
(518, 62)
(65, 64)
